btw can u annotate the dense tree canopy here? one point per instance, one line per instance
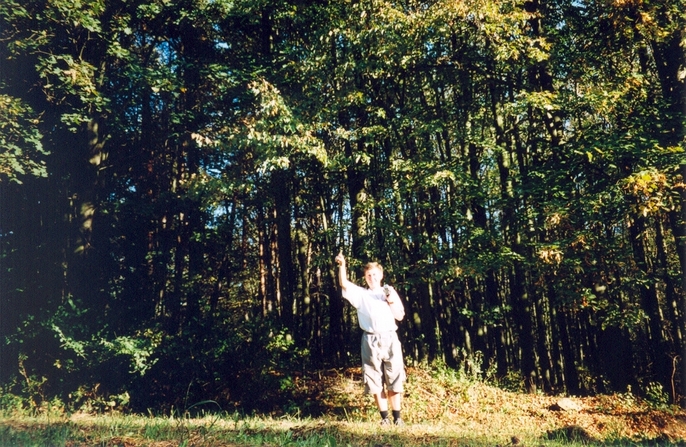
(176, 177)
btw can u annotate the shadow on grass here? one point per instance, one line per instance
(573, 434)
(39, 434)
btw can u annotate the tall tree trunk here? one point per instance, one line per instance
(358, 199)
(268, 292)
(658, 353)
(569, 357)
(224, 269)
(522, 313)
(330, 290)
(282, 187)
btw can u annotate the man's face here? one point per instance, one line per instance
(373, 276)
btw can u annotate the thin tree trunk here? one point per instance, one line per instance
(282, 186)
(650, 304)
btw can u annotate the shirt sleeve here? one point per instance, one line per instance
(354, 294)
(397, 308)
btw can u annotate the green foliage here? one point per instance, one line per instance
(656, 396)
(282, 352)
(139, 348)
(20, 139)
(92, 401)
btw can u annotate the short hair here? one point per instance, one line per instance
(373, 265)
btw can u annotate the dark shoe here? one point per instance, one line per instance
(399, 422)
(385, 421)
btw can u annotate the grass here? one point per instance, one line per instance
(228, 430)
(441, 409)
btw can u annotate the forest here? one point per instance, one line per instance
(177, 176)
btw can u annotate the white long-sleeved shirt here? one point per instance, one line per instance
(373, 312)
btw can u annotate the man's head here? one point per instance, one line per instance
(373, 274)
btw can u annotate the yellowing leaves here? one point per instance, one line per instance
(550, 255)
(626, 3)
(202, 140)
(441, 177)
(651, 189)
(553, 220)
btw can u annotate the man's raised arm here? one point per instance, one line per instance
(342, 273)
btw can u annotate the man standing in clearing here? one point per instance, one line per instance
(378, 308)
